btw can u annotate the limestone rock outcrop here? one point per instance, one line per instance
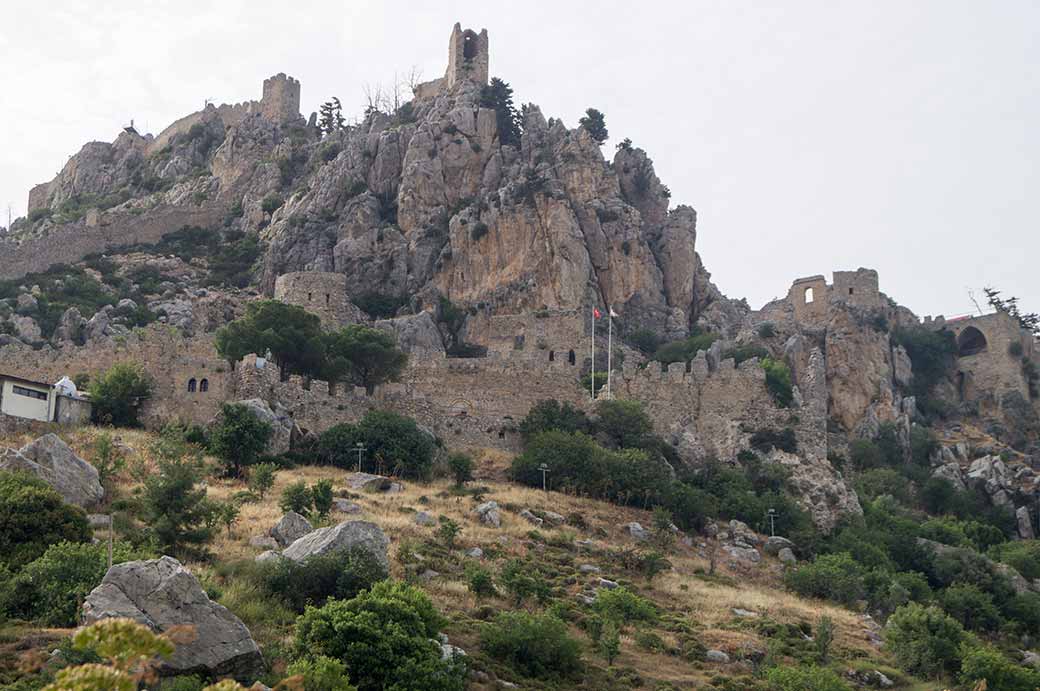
(348, 535)
(290, 528)
(161, 593)
(51, 459)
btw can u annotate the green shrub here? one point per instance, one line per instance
(1023, 555)
(175, 506)
(341, 574)
(810, 678)
(51, 588)
(116, 395)
(238, 438)
(385, 636)
(480, 229)
(261, 478)
(970, 606)
(980, 663)
(767, 439)
(271, 203)
(365, 355)
(479, 580)
(644, 340)
(380, 305)
(622, 606)
(766, 330)
(321, 497)
(533, 645)
(33, 517)
(624, 422)
(296, 497)
(778, 381)
(684, 350)
(836, 577)
(865, 454)
(461, 467)
(549, 415)
(745, 352)
(321, 673)
(924, 640)
(523, 581)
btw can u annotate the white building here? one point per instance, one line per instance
(33, 400)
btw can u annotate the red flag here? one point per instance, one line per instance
(596, 313)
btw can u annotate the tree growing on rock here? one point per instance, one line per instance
(117, 394)
(595, 124)
(291, 334)
(331, 116)
(499, 96)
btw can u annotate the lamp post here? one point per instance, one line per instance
(545, 469)
(772, 522)
(360, 450)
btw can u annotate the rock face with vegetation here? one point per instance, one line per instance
(162, 594)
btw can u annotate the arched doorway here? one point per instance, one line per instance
(970, 341)
(192, 384)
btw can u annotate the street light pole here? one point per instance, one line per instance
(360, 450)
(545, 469)
(772, 522)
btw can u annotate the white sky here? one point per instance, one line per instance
(827, 134)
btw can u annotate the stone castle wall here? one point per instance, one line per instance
(281, 99)
(98, 233)
(811, 296)
(559, 334)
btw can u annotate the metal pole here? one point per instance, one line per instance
(610, 344)
(545, 469)
(592, 374)
(110, 541)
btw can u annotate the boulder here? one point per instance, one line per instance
(606, 583)
(588, 568)
(424, 518)
(367, 482)
(951, 472)
(161, 594)
(531, 518)
(786, 555)
(716, 656)
(345, 506)
(26, 329)
(290, 528)
(362, 534)
(263, 542)
(1025, 523)
(636, 531)
(774, 544)
(70, 328)
(475, 553)
(744, 554)
(416, 334)
(268, 556)
(51, 459)
(554, 518)
(489, 514)
(740, 531)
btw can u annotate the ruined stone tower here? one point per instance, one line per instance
(467, 56)
(281, 100)
(318, 292)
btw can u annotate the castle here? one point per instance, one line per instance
(467, 59)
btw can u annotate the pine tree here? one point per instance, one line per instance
(596, 125)
(331, 116)
(499, 95)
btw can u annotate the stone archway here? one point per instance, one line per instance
(971, 341)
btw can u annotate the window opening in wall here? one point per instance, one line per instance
(570, 357)
(326, 299)
(809, 296)
(29, 393)
(850, 291)
(469, 46)
(552, 356)
(310, 296)
(192, 385)
(204, 385)
(970, 341)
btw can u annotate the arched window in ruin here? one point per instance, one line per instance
(552, 356)
(970, 341)
(327, 298)
(192, 384)
(570, 357)
(204, 385)
(809, 296)
(310, 296)
(469, 45)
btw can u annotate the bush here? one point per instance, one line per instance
(745, 352)
(523, 581)
(1023, 555)
(33, 517)
(970, 606)
(116, 395)
(341, 574)
(480, 229)
(924, 640)
(365, 355)
(321, 673)
(644, 340)
(836, 577)
(380, 305)
(386, 637)
(321, 497)
(175, 507)
(261, 478)
(622, 606)
(810, 678)
(51, 588)
(552, 415)
(684, 350)
(271, 203)
(479, 580)
(625, 423)
(238, 438)
(536, 646)
(767, 439)
(778, 381)
(461, 466)
(980, 663)
(296, 497)
(766, 330)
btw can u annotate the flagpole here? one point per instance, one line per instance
(610, 343)
(592, 376)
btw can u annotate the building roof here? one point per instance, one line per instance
(23, 380)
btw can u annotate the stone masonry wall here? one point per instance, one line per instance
(73, 241)
(321, 293)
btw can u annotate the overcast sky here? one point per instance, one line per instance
(823, 135)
